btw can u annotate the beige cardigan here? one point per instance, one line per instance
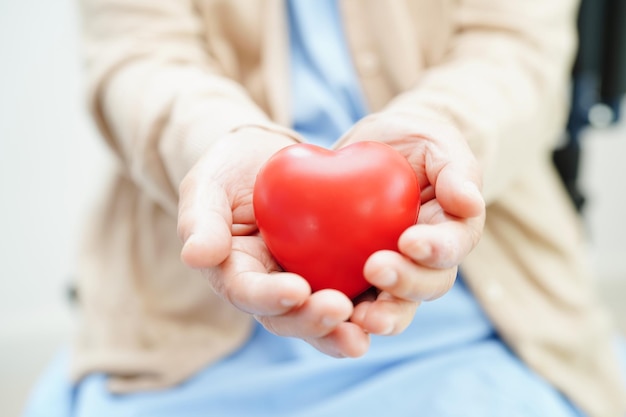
(168, 77)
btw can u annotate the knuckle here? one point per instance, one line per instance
(215, 277)
(443, 284)
(446, 252)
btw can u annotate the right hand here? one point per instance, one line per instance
(217, 226)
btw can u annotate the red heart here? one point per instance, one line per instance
(322, 213)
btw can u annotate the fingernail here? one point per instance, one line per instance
(189, 240)
(472, 190)
(330, 321)
(288, 302)
(388, 330)
(189, 243)
(387, 277)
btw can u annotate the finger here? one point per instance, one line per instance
(457, 187)
(438, 148)
(204, 221)
(320, 314)
(243, 280)
(387, 315)
(262, 293)
(441, 245)
(404, 279)
(453, 171)
(347, 340)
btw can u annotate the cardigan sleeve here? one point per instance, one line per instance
(503, 81)
(157, 94)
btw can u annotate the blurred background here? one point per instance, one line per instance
(50, 172)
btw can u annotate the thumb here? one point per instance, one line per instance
(204, 222)
(458, 191)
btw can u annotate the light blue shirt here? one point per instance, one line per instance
(326, 98)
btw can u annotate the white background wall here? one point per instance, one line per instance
(49, 162)
(50, 159)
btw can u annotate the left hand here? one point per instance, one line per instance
(449, 226)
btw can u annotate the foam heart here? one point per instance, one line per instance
(322, 213)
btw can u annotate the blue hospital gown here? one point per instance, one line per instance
(449, 362)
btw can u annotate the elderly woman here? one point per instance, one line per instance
(194, 96)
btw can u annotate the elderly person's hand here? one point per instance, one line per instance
(449, 226)
(217, 225)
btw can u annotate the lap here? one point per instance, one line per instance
(484, 379)
(448, 362)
